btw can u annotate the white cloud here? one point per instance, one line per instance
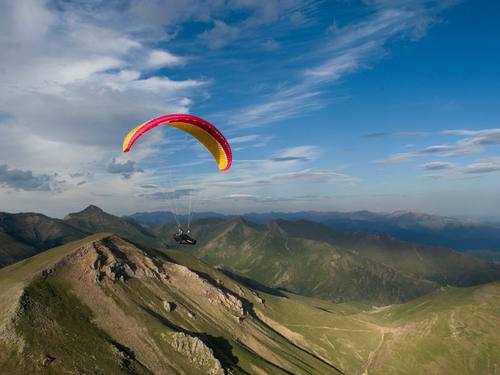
(75, 78)
(160, 58)
(244, 139)
(350, 48)
(437, 165)
(488, 165)
(220, 35)
(475, 142)
(297, 154)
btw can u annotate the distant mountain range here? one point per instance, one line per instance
(301, 256)
(421, 228)
(104, 305)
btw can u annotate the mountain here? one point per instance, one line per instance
(427, 229)
(26, 234)
(440, 265)
(416, 227)
(104, 305)
(314, 260)
(93, 220)
(301, 256)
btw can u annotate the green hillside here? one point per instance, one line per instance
(441, 265)
(103, 305)
(334, 265)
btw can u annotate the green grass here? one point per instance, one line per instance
(449, 331)
(14, 277)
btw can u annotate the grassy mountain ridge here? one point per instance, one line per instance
(111, 307)
(312, 259)
(303, 266)
(104, 305)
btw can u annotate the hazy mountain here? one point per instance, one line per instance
(440, 265)
(156, 218)
(26, 234)
(103, 305)
(94, 220)
(421, 228)
(312, 259)
(427, 229)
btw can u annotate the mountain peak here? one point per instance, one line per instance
(92, 208)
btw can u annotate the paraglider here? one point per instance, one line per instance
(200, 129)
(183, 236)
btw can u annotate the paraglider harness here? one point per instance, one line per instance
(182, 237)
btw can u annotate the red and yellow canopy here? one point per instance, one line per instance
(200, 129)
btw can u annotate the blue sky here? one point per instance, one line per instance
(328, 105)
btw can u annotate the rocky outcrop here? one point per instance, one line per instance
(169, 306)
(198, 353)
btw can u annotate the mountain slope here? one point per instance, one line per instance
(299, 265)
(314, 260)
(103, 305)
(440, 265)
(450, 331)
(94, 220)
(26, 234)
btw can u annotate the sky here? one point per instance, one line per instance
(378, 105)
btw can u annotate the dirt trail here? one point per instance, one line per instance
(374, 352)
(331, 328)
(372, 355)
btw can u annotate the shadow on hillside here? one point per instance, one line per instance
(252, 284)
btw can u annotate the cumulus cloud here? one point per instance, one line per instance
(220, 35)
(24, 180)
(161, 58)
(125, 169)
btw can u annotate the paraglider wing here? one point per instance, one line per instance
(202, 130)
